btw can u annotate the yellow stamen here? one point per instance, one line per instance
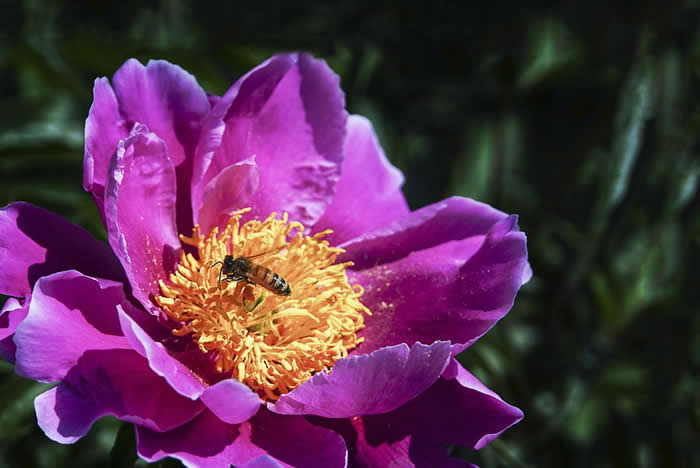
(270, 342)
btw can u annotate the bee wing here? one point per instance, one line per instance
(275, 250)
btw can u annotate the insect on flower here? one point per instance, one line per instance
(242, 268)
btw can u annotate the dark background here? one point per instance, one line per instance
(583, 119)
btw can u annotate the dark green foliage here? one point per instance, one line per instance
(584, 120)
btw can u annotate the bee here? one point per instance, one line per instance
(243, 269)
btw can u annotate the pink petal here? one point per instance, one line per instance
(35, 242)
(72, 334)
(69, 315)
(208, 442)
(230, 190)
(104, 128)
(230, 400)
(368, 194)
(429, 286)
(140, 212)
(110, 382)
(289, 114)
(11, 315)
(455, 411)
(369, 384)
(170, 102)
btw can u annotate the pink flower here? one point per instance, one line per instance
(215, 373)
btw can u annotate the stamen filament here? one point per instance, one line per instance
(269, 341)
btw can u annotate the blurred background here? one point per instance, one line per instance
(583, 119)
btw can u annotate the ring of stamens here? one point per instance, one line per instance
(271, 343)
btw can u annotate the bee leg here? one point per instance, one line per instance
(248, 294)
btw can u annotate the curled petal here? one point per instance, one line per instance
(231, 189)
(368, 194)
(368, 384)
(229, 399)
(35, 243)
(11, 315)
(457, 409)
(69, 315)
(170, 102)
(209, 442)
(232, 401)
(446, 288)
(104, 128)
(289, 113)
(140, 212)
(160, 95)
(451, 219)
(110, 382)
(71, 334)
(263, 461)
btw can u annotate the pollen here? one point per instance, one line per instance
(268, 341)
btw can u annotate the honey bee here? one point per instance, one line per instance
(243, 269)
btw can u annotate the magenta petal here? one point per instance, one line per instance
(208, 442)
(453, 291)
(72, 334)
(451, 219)
(179, 376)
(385, 451)
(166, 99)
(499, 414)
(368, 194)
(211, 158)
(230, 190)
(114, 382)
(229, 399)
(170, 102)
(368, 384)
(460, 411)
(456, 411)
(104, 128)
(11, 315)
(69, 314)
(140, 212)
(35, 242)
(61, 416)
(263, 461)
(289, 113)
(232, 401)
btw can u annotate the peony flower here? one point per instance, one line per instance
(331, 344)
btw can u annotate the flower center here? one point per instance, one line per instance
(269, 303)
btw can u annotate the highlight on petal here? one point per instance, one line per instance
(263, 461)
(444, 287)
(140, 212)
(208, 442)
(368, 384)
(104, 128)
(230, 190)
(456, 410)
(11, 315)
(35, 242)
(454, 218)
(368, 194)
(69, 314)
(289, 113)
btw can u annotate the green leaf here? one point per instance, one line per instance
(123, 454)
